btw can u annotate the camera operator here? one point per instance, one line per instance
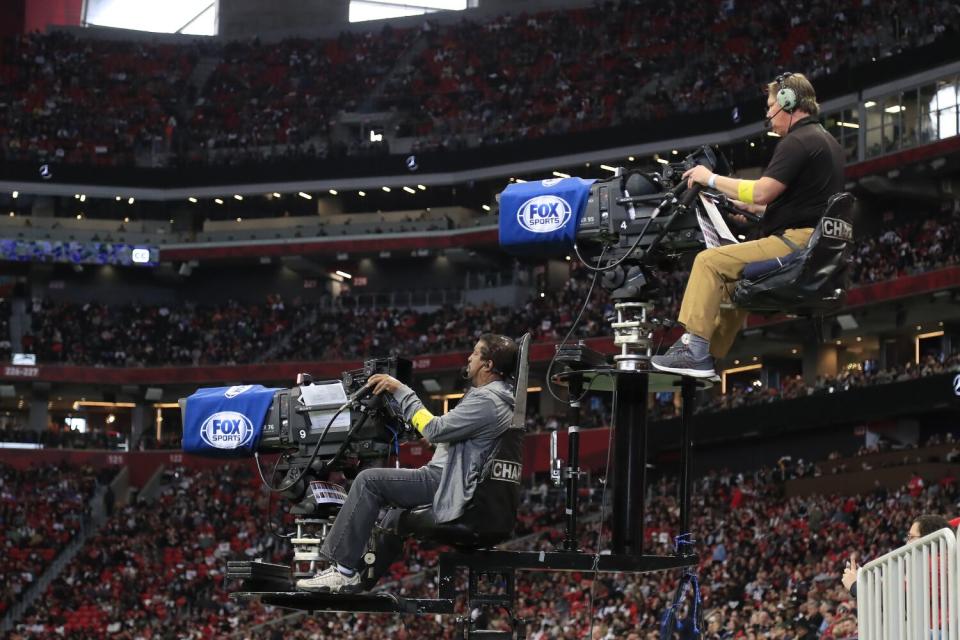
(464, 439)
(806, 169)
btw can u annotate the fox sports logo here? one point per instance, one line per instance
(226, 430)
(544, 214)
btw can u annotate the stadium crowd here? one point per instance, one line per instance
(770, 566)
(95, 101)
(41, 509)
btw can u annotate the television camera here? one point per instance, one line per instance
(315, 428)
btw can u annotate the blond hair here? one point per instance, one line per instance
(806, 96)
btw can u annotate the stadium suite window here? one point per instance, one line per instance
(363, 10)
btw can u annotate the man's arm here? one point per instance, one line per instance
(473, 413)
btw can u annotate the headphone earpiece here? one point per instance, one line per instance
(786, 96)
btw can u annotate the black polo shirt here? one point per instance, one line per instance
(810, 162)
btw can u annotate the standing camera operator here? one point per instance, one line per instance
(464, 439)
(791, 196)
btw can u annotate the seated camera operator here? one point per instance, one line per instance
(791, 196)
(464, 439)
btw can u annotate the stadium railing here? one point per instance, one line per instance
(911, 593)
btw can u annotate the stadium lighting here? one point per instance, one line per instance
(80, 216)
(486, 207)
(409, 190)
(343, 274)
(305, 195)
(16, 194)
(192, 199)
(333, 192)
(239, 219)
(117, 198)
(83, 197)
(362, 193)
(237, 196)
(869, 104)
(631, 159)
(218, 200)
(752, 144)
(131, 200)
(608, 168)
(849, 125)
(897, 108)
(276, 195)
(12, 214)
(126, 218)
(387, 189)
(422, 187)
(560, 174)
(675, 152)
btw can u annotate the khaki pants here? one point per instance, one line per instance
(712, 280)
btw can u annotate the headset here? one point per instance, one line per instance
(786, 97)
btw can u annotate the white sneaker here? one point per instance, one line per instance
(332, 581)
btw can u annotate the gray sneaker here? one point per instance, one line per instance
(679, 359)
(332, 581)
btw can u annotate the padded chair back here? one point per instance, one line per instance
(491, 515)
(813, 280)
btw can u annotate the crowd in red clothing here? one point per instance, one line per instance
(486, 81)
(41, 509)
(770, 566)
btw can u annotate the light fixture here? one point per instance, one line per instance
(361, 193)
(543, 295)
(239, 219)
(16, 194)
(305, 195)
(561, 174)
(897, 108)
(333, 192)
(386, 189)
(276, 195)
(409, 190)
(486, 207)
(80, 216)
(608, 168)
(675, 152)
(192, 199)
(111, 418)
(83, 197)
(237, 196)
(869, 104)
(794, 351)
(343, 274)
(218, 200)
(859, 339)
(631, 159)
(848, 125)
(568, 258)
(12, 214)
(422, 187)
(130, 200)
(118, 198)
(839, 342)
(752, 144)
(76, 196)
(126, 218)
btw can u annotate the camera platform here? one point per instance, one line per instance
(271, 583)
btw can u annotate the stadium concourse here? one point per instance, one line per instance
(299, 194)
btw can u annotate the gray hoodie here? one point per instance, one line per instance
(465, 438)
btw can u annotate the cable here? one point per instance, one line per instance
(618, 262)
(303, 470)
(573, 327)
(603, 505)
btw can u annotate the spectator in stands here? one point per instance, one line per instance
(806, 169)
(922, 526)
(464, 438)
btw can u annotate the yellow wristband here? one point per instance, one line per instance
(745, 191)
(421, 419)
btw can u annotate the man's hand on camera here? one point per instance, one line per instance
(698, 175)
(382, 382)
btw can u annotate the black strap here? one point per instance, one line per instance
(790, 243)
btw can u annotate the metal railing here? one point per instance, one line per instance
(911, 593)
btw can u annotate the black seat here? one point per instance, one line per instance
(491, 514)
(811, 281)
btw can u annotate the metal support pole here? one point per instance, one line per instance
(688, 390)
(573, 465)
(630, 457)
